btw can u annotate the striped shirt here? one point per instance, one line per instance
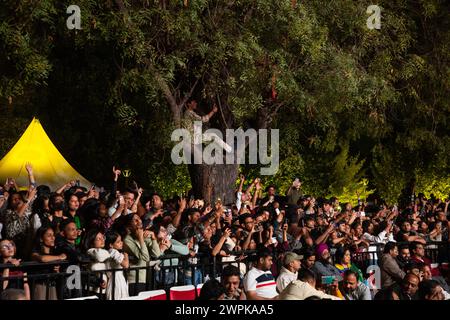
(262, 282)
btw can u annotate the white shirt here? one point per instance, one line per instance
(284, 278)
(381, 238)
(262, 282)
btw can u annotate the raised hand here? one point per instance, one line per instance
(29, 168)
(182, 204)
(116, 172)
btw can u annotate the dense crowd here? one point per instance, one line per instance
(304, 247)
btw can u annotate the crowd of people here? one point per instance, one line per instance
(302, 247)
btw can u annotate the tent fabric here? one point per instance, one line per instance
(49, 166)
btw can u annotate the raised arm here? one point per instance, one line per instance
(181, 206)
(31, 179)
(222, 240)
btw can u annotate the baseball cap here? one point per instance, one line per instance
(290, 256)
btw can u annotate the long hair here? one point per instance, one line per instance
(89, 239)
(38, 240)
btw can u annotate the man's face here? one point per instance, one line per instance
(82, 200)
(326, 255)
(426, 272)
(410, 285)
(295, 265)
(129, 199)
(441, 216)
(266, 263)
(194, 217)
(406, 226)
(419, 251)
(326, 207)
(350, 283)
(394, 252)
(74, 204)
(192, 105)
(157, 202)
(341, 228)
(358, 230)
(248, 223)
(405, 253)
(271, 191)
(320, 221)
(71, 232)
(231, 284)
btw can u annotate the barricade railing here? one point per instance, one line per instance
(167, 271)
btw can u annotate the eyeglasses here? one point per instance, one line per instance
(7, 246)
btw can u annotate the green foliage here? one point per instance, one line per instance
(357, 109)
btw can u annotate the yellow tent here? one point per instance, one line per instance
(49, 166)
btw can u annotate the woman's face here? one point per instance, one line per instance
(48, 238)
(74, 204)
(102, 210)
(370, 228)
(406, 227)
(252, 245)
(16, 201)
(162, 234)
(7, 249)
(423, 226)
(99, 241)
(46, 208)
(207, 233)
(118, 244)
(213, 228)
(136, 223)
(310, 262)
(346, 259)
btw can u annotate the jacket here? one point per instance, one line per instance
(139, 256)
(284, 278)
(390, 271)
(299, 290)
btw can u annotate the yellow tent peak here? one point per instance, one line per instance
(49, 166)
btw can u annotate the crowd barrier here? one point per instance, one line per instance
(170, 271)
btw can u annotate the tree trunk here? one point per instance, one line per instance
(210, 182)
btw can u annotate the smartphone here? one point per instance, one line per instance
(77, 183)
(327, 280)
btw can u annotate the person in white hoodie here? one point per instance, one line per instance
(289, 270)
(95, 245)
(304, 288)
